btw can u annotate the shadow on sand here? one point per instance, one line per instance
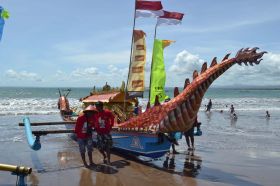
(192, 167)
(110, 169)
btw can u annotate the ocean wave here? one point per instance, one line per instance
(31, 106)
(240, 104)
(244, 104)
(48, 106)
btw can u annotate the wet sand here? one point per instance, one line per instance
(223, 156)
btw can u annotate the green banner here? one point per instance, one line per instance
(158, 74)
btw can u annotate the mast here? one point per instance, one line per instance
(131, 48)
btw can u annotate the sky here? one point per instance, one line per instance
(70, 43)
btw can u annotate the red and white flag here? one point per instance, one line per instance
(148, 8)
(170, 18)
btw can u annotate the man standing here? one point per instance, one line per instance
(104, 124)
(231, 109)
(189, 135)
(83, 130)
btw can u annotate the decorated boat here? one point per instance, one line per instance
(146, 133)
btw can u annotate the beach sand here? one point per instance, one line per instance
(228, 153)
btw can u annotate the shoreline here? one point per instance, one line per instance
(244, 152)
(59, 163)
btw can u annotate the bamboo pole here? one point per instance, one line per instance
(45, 132)
(50, 123)
(131, 49)
(155, 35)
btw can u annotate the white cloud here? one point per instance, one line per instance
(113, 75)
(271, 64)
(61, 76)
(185, 63)
(72, 47)
(100, 58)
(225, 27)
(86, 73)
(23, 75)
(115, 71)
(266, 73)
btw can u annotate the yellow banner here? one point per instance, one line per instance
(136, 77)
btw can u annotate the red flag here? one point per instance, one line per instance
(148, 8)
(170, 18)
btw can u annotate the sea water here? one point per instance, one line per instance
(35, 101)
(41, 104)
(252, 139)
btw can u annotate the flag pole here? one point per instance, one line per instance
(131, 48)
(155, 35)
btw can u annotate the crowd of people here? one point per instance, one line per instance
(232, 112)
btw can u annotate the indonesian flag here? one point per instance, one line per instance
(148, 8)
(170, 18)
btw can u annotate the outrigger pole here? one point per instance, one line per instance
(131, 48)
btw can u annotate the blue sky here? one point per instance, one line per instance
(69, 43)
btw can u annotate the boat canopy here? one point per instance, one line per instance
(112, 97)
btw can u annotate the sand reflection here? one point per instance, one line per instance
(86, 179)
(192, 165)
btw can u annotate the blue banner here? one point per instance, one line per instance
(2, 22)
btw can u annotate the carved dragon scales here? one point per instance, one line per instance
(179, 113)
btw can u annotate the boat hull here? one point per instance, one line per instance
(140, 144)
(136, 144)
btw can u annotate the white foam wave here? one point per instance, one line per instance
(31, 106)
(47, 106)
(249, 104)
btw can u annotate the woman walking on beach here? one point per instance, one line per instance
(83, 130)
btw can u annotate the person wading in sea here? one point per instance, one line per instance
(103, 127)
(209, 106)
(267, 114)
(83, 130)
(231, 109)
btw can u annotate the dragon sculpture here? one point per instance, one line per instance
(179, 113)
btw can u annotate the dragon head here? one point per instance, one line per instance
(250, 56)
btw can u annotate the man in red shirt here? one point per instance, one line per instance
(83, 130)
(104, 124)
